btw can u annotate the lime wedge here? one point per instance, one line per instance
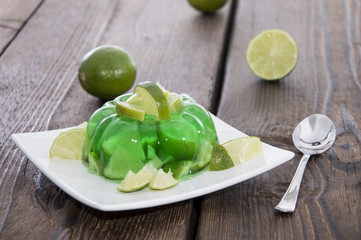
(162, 180)
(135, 99)
(136, 181)
(166, 92)
(83, 125)
(154, 101)
(220, 159)
(130, 110)
(68, 145)
(272, 54)
(243, 149)
(175, 102)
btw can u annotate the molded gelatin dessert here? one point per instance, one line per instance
(151, 124)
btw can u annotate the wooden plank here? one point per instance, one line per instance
(326, 80)
(13, 15)
(170, 43)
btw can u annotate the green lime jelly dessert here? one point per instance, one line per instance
(115, 143)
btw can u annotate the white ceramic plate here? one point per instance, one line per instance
(97, 192)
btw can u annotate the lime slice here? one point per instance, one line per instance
(136, 181)
(130, 110)
(154, 100)
(175, 102)
(83, 125)
(272, 54)
(68, 145)
(135, 99)
(243, 149)
(162, 181)
(166, 92)
(220, 159)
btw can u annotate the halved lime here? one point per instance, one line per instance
(154, 101)
(272, 54)
(68, 145)
(220, 159)
(243, 149)
(136, 181)
(130, 110)
(162, 180)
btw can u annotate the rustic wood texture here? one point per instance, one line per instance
(13, 15)
(326, 80)
(170, 42)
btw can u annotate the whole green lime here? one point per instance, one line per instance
(107, 72)
(207, 6)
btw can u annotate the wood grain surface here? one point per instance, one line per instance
(326, 80)
(204, 56)
(13, 16)
(169, 42)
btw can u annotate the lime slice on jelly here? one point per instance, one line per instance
(130, 110)
(220, 159)
(154, 101)
(68, 145)
(135, 99)
(272, 54)
(175, 102)
(136, 181)
(162, 180)
(243, 149)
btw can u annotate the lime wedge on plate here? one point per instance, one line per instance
(136, 181)
(154, 101)
(162, 180)
(243, 149)
(272, 54)
(220, 159)
(130, 110)
(68, 145)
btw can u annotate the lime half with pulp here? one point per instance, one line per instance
(272, 54)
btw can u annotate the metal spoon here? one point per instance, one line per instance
(313, 135)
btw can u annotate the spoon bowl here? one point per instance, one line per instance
(313, 135)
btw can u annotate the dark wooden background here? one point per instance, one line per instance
(43, 41)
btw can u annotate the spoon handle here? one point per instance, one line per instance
(289, 200)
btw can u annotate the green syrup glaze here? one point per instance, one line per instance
(115, 144)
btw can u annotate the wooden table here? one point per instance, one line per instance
(43, 41)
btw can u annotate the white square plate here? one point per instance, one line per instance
(97, 192)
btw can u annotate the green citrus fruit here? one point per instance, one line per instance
(243, 149)
(107, 72)
(68, 145)
(207, 6)
(162, 181)
(272, 54)
(154, 100)
(220, 159)
(136, 181)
